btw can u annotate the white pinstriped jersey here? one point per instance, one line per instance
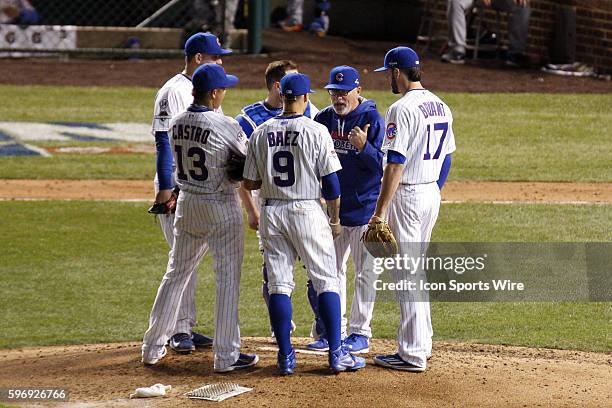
(202, 141)
(173, 98)
(290, 155)
(420, 127)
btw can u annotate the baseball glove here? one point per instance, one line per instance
(235, 167)
(169, 207)
(379, 240)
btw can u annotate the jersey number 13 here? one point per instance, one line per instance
(196, 168)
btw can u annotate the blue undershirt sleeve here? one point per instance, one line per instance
(164, 161)
(331, 186)
(444, 171)
(395, 157)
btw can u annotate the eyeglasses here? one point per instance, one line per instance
(338, 92)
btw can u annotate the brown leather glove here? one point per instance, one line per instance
(379, 240)
(169, 207)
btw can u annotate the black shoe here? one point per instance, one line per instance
(181, 343)
(453, 57)
(200, 340)
(518, 61)
(244, 361)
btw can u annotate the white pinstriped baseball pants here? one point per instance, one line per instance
(412, 216)
(292, 228)
(186, 318)
(202, 221)
(349, 243)
(295, 10)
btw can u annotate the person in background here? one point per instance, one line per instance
(295, 17)
(518, 27)
(215, 16)
(18, 12)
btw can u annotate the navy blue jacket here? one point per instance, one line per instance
(361, 174)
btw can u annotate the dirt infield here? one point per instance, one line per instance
(456, 191)
(316, 56)
(458, 375)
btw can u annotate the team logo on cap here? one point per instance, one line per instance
(391, 131)
(218, 42)
(339, 77)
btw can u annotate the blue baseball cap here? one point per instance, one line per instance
(212, 76)
(400, 57)
(343, 77)
(295, 84)
(204, 43)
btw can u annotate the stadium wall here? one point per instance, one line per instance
(593, 29)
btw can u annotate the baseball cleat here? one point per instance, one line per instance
(181, 343)
(151, 355)
(244, 361)
(395, 362)
(200, 340)
(286, 363)
(341, 360)
(319, 345)
(357, 343)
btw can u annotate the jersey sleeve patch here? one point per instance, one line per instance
(391, 131)
(163, 107)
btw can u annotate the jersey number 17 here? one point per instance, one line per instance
(437, 127)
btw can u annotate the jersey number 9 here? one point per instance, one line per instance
(282, 162)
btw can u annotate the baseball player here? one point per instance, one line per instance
(418, 143)
(289, 157)
(358, 131)
(208, 215)
(257, 113)
(173, 98)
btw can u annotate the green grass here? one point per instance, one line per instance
(80, 167)
(80, 272)
(36, 103)
(519, 137)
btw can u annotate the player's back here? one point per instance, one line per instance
(422, 123)
(172, 98)
(202, 142)
(291, 156)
